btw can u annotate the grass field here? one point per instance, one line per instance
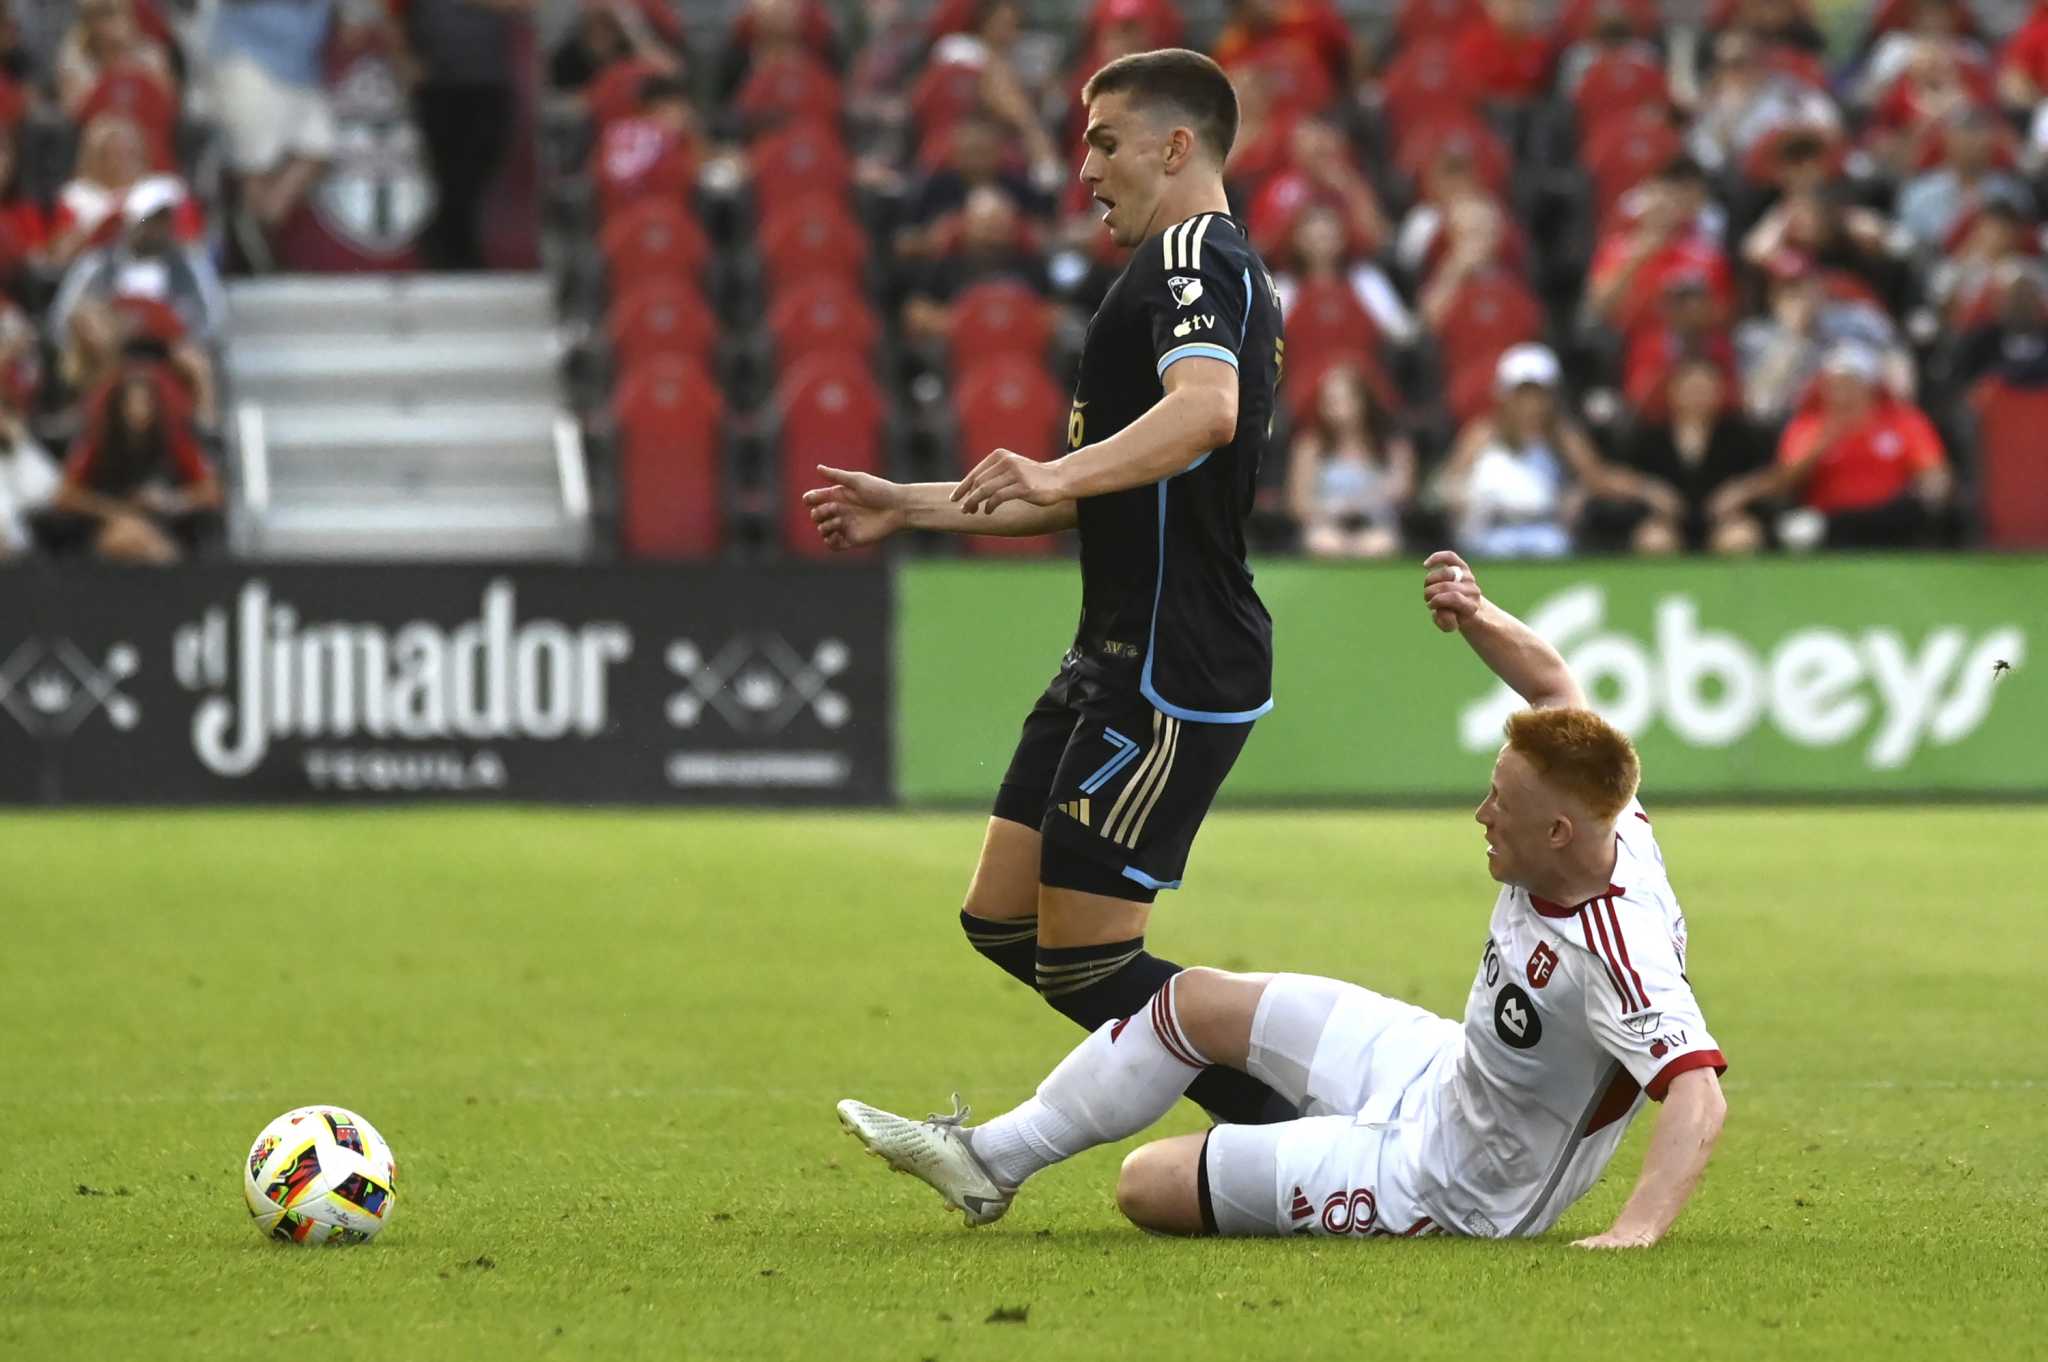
(606, 1047)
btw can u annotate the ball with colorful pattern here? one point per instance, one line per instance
(320, 1175)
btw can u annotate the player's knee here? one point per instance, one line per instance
(1156, 1191)
(1215, 1009)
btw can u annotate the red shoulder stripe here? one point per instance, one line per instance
(1613, 977)
(1621, 942)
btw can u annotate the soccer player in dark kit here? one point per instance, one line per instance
(1121, 757)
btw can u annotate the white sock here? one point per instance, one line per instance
(1121, 1079)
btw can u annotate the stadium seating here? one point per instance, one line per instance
(2012, 467)
(670, 417)
(661, 316)
(1008, 402)
(1000, 318)
(830, 410)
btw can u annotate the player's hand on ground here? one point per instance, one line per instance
(857, 509)
(1450, 590)
(1008, 476)
(1617, 1239)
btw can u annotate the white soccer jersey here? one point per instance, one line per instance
(1574, 1015)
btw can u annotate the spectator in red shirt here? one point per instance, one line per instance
(1322, 172)
(137, 472)
(1507, 52)
(1870, 464)
(652, 152)
(113, 162)
(105, 38)
(1671, 235)
(2023, 65)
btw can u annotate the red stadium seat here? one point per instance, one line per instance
(789, 87)
(801, 159)
(669, 417)
(1000, 317)
(1421, 145)
(1439, 20)
(1425, 83)
(1303, 375)
(812, 235)
(1469, 390)
(1626, 152)
(2012, 468)
(1616, 85)
(1327, 316)
(945, 93)
(655, 237)
(830, 410)
(1009, 402)
(1490, 312)
(822, 315)
(657, 317)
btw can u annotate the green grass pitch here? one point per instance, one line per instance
(606, 1047)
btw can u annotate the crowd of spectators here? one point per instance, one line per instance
(111, 309)
(1557, 277)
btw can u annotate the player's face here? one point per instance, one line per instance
(1124, 168)
(1518, 816)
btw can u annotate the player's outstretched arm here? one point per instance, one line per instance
(1516, 653)
(858, 509)
(1680, 1145)
(1197, 414)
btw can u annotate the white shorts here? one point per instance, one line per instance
(1345, 1055)
(266, 121)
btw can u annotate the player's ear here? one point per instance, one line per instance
(1561, 832)
(1179, 149)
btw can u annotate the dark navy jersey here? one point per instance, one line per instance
(1167, 604)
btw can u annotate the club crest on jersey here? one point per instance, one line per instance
(1198, 322)
(1185, 290)
(1542, 964)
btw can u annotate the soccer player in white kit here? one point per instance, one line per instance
(1412, 1124)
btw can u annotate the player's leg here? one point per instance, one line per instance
(1342, 1052)
(1120, 821)
(1000, 915)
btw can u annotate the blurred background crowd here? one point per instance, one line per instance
(1561, 276)
(1605, 275)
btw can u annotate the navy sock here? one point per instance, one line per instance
(1095, 984)
(1011, 943)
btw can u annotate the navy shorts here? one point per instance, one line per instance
(1117, 788)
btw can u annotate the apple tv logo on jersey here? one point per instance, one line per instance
(1515, 1019)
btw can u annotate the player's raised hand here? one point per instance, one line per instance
(856, 509)
(1008, 476)
(1450, 590)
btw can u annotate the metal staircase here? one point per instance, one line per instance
(402, 416)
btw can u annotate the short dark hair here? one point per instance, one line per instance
(1195, 86)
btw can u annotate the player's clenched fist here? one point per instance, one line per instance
(1450, 590)
(1008, 476)
(856, 510)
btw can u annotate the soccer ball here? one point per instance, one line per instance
(320, 1175)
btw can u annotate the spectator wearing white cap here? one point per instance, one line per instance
(148, 261)
(1518, 477)
(1869, 465)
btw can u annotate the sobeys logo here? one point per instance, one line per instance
(1819, 686)
(494, 676)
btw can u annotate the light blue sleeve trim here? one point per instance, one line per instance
(1193, 349)
(1132, 872)
(1145, 686)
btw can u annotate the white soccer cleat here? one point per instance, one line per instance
(934, 1150)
